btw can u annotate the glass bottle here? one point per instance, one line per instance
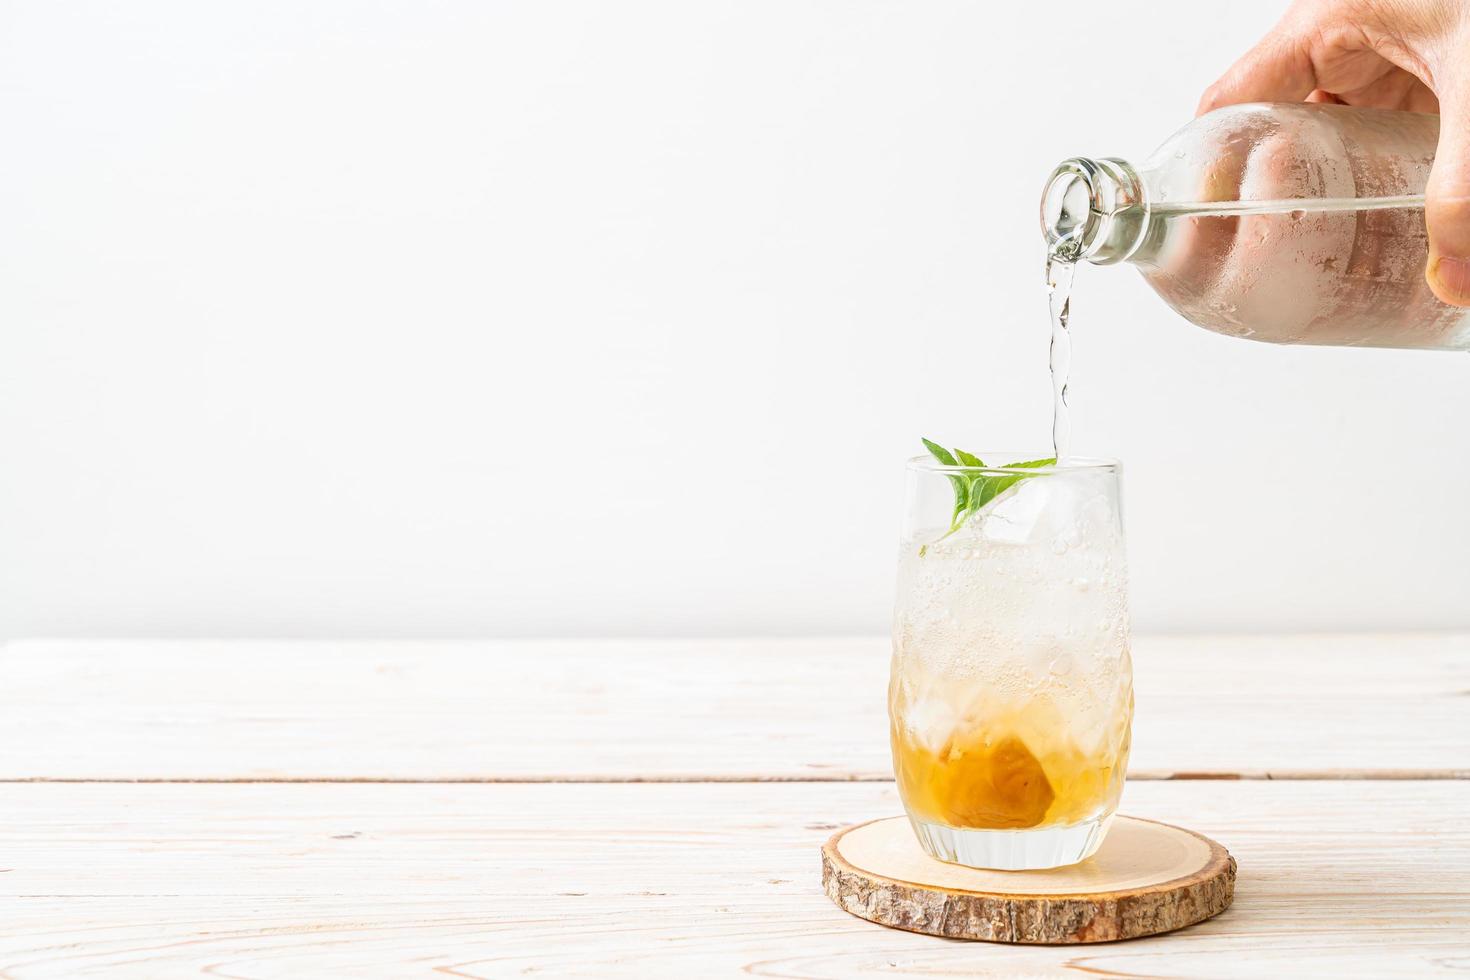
(1288, 223)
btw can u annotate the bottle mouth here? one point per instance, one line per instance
(1090, 209)
(1066, 207)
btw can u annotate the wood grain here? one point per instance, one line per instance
(256, 881)
(1148, 878)
(1391, 706)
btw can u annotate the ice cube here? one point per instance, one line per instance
(931, 720)
(1014, 517)
(1060, 514)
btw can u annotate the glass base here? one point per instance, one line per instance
(1012, 850)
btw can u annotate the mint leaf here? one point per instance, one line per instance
(939, 452)
(960, 484)
(973, 491)
(969, 459)
(986, 487)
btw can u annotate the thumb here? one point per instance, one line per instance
(1447, 198)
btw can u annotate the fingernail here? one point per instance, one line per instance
(1450, 278)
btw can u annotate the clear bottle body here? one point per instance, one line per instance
(1287, 223)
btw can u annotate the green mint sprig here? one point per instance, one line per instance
(972, 491)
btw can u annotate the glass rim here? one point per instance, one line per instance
(1068, 464)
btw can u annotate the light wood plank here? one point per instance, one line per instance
(1366, 879)
(1395, 705)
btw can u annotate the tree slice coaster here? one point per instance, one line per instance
(1146, 878)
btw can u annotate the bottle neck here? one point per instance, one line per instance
(1094, 210)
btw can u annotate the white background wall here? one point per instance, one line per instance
(566, 317)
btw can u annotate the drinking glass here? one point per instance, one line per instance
(1011, 695)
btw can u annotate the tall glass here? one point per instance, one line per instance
(1011, 695)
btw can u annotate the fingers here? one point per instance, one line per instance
(1447, 204)
(1276, 70)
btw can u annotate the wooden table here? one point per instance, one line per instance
(620, 808)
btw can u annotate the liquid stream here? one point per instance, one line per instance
(1061, 267)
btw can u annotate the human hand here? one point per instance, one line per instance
(1380, 54)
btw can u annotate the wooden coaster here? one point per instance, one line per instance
(1146, 878)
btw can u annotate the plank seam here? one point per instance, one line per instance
(1287, 776)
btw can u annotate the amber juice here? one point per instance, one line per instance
(1010, 769)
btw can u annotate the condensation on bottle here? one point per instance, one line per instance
(1286, 223)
